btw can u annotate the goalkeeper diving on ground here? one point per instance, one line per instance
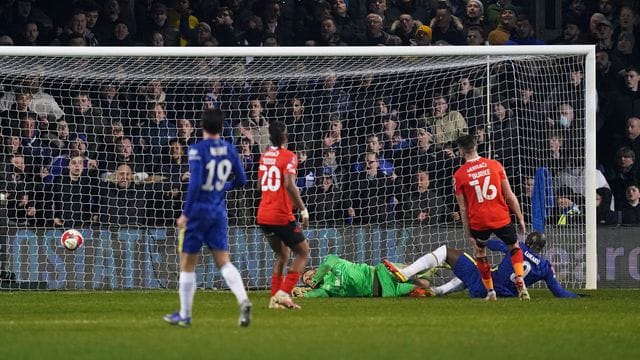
(536, 268)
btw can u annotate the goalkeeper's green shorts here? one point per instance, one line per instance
(390, 286)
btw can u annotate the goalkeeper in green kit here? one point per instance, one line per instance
(337, 277)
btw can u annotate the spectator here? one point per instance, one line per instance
(198, 36)
(626, 53)
(157, 39)
(507, 24)
(577, 12)
(631, 208)
(632, 138)
(109, 102)
(467, 100)
(13, 110)
(419, 11)
(21, 209)
(157, 131)
(608, 9)
(626, 19)
(87, 119)
(447, 125)
(122, 202)
(375, 35)
(505, 138)
(59, 144)
(625, 102)
(300, 128)
(421, 205)
(606, 73)
(524, 33)
(110, 16)
(75, 196)
(348, 28)
(6, 40)
(496, 11)
(30, 35)
(374, 146)
(380, 8)
(571, 33)
(475, 35)
(325, 202)
(604, 215)
(405, 28)
(224, 27)
(624, 173)
(370, 194)
(604, 35)
(77, 26)
(186, 132)
(77, 147)
(92, 13)
(120, 35)
(124, 155)
(330, 98)
(446, 27)
(423, 36)
(474, 14)
(594, 23)
(159, 25)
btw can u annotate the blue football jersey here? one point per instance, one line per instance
(215, 167)
(536, 268)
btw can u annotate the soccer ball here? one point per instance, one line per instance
(71, 239)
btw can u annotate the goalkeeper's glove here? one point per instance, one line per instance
(300, 291)
(304, 214)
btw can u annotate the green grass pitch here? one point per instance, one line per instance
(128, 325)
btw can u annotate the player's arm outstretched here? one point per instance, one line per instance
(556, 288)
(296, 199)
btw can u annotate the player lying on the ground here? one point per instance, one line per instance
(536, 268)
(337, 277)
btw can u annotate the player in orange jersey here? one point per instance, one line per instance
(485, 197)
(277, 177)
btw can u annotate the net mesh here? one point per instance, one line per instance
(98, 144)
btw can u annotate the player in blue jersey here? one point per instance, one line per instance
(215, 168)
(536, 268)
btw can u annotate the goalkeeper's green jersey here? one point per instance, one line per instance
(341, 278)
(337, 277)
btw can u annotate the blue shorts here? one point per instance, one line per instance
(210, 232)
(467, 271)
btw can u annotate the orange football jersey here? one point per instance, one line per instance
(480, 181)
(275, 205)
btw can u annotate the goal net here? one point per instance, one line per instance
(98, 143)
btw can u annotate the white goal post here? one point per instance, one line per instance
(442, 65)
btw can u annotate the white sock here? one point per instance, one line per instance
(426, 262)
(187, 290)
(234, 281)
(453, 285)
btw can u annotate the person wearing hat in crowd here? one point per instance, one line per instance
(604, 35)
(474, 13)
(571, 33)
(422, 36)
(494, 12)
(507, 24)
